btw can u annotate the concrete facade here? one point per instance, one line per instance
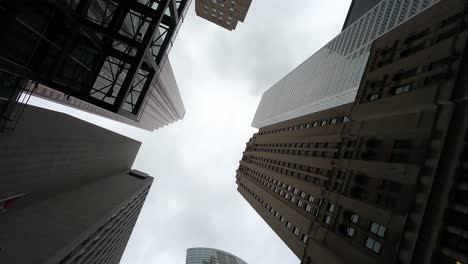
(82, 200)
(224, 13)
(331, 76)
(383, 179)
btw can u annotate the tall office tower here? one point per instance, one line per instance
(211, 256)
(384, 179)
(357, 9)
(331, 76)
(67, 191)
(224, 13)
(106, 57)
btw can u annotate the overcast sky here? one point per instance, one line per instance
(221, 75)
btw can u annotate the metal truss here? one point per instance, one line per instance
(105, 52)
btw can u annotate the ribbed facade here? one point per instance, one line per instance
(332, 75)
(383, 179)
(211, 256)
(79, 199)
(357, 9)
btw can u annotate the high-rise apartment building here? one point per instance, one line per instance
(67, 191)
(224, 13)
(211, 256)
(383, 179)
(106, 57)
(331, 76)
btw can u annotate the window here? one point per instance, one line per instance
(276, 214)
(288, 225)
(324, 122)
(377, 229)
(232, 10)
(333, 121)
(214, 1)
(311, 199)
(350, 231)
(296, 191)
(221, 13)
(303, 195)
(308, 208)
(214, 10)
(345, 119)
(296, 231)
(289, 188)
(331, 207)
(373, 97)
(402, 89)
(229, 18)
(354, 218)
(304, 238)
(233, 2)
(286, 196)
(293, 199)
(327, 219)
(373, 245)
(300, 203)
(282, 219)
(222, 4)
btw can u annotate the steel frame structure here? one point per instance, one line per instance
(104, 52)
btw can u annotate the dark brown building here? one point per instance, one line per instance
(67, 191)
(385, 179)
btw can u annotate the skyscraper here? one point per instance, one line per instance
(211, 256)
(383, 179)
(358, 8)
(224, 13)
(331, 76)
(103, 56)
(67, 191)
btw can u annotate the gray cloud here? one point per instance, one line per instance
(221, 75)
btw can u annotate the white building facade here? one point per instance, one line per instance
(332, 75)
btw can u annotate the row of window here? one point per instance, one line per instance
(102, 243)
(320, 145)
(324, 122)
(304, 238)
(320, 176)
(305, 201)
